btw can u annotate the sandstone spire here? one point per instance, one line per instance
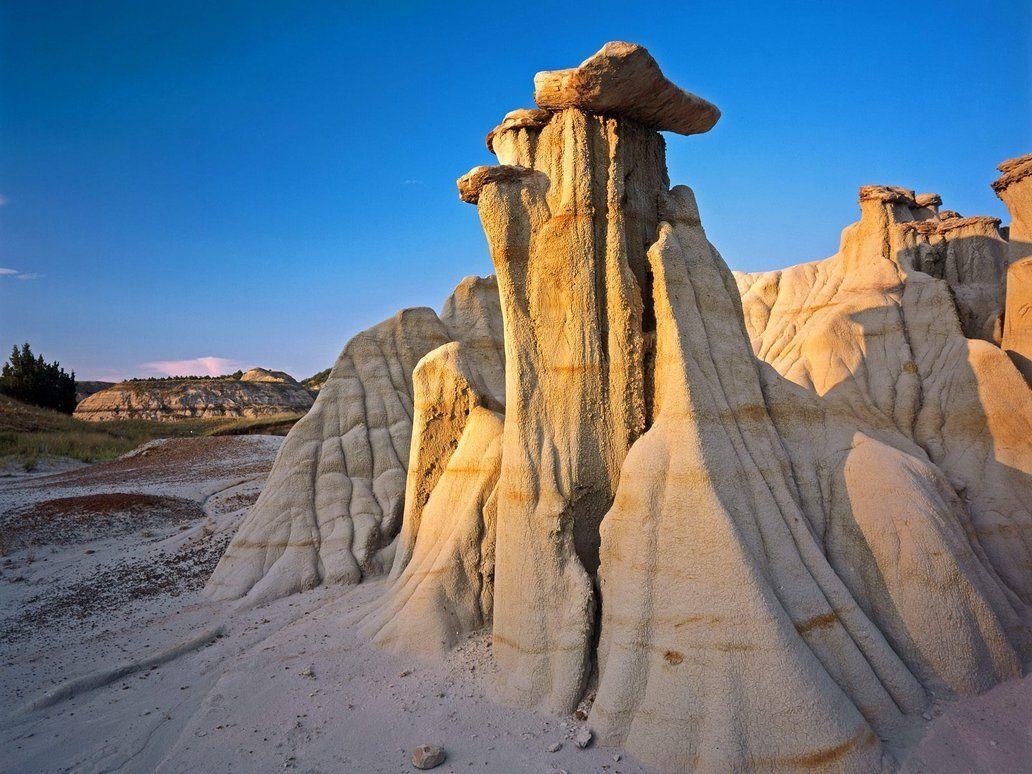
(569, 217)
(757, 530)
(1014, 187)
(686, 477)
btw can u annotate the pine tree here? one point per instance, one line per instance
(32, 380)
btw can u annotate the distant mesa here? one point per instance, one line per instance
(259, 392)
(265, 375)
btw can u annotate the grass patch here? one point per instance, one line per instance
(28, 433)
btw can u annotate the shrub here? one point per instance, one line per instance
(32, 380)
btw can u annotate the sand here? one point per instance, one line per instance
(112, 660)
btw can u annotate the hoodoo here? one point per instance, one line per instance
(749, 536)
(1014, 187)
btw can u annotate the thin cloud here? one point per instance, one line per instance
(3, 200)
(19, 275)
(197, 366)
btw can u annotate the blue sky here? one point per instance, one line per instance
(257, 181)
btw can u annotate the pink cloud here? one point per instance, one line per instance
(198, 366)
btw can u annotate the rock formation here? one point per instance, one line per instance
(1014, 187)
(739, 564)
(258, 393)
(334, 500)
(265, 375)
(882, 342)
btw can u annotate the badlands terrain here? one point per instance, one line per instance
(613, 508)
(258, 392)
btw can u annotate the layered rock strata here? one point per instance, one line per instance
(172, 400)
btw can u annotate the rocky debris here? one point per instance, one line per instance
(1014, 187)
(427, 757)
(554, 747)
(170, 400)
(65, 520)
(583, 738)
(115, 585)
(623, 80)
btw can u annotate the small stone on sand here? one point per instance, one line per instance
(427, 756)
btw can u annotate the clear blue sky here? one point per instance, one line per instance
(258, 181)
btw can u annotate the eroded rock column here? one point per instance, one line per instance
(569, 217)
(1014, 187)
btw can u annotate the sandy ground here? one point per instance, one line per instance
(113, 661)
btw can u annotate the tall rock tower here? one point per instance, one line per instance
(739, 577)
(1015, 188)
(569, 217)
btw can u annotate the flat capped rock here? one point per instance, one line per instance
(471, 183)
(890, 194)
(1013, 170)
(523, 118)
(623, 79)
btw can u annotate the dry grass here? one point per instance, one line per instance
(28, 433)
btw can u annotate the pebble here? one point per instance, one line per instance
(555, 747)
(427, 756)
(583, 738)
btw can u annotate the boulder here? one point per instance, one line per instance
(623, 80)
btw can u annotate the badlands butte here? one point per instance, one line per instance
(744, 521)
(729, 522)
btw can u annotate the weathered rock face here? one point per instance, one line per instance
(334, 500)
(1014, 187)
(568, 238)
(739, 526)
(170, 400)
(754, 534)
(882, 342)
(765, 564)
